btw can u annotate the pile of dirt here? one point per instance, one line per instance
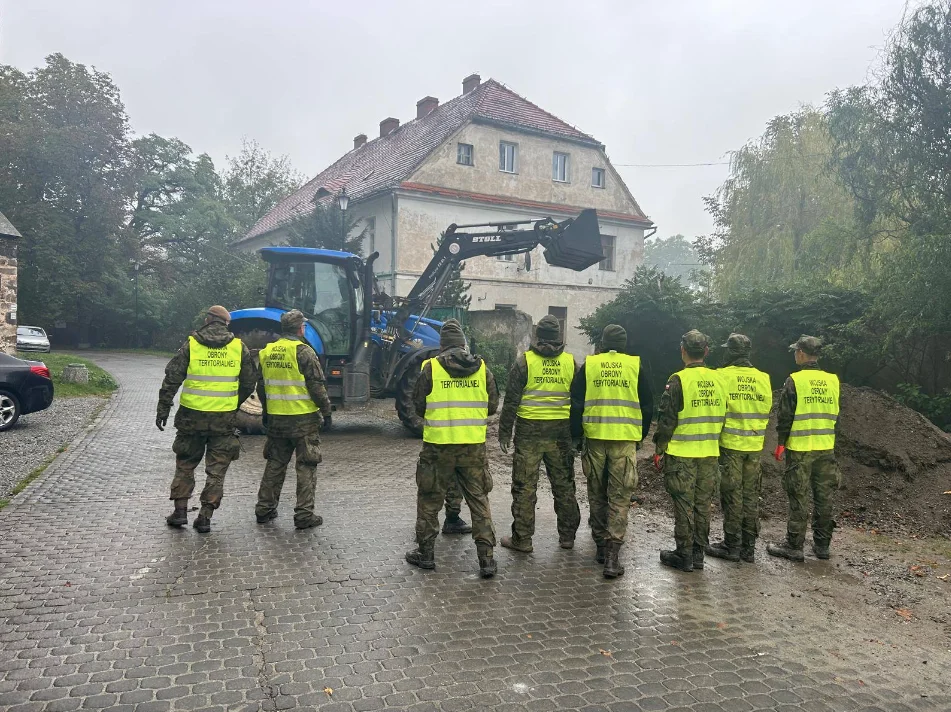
(896, 466)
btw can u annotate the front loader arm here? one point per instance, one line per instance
(574, 243)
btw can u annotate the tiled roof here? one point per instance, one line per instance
(383, 163)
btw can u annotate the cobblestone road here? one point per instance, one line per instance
(103, 606)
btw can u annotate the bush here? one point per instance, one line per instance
(499, 356)
(936, 408)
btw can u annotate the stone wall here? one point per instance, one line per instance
(8, 294)
(508, 325)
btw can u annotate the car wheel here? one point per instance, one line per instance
(9, 410)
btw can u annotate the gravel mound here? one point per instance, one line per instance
(38, 435)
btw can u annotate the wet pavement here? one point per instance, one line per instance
(104, 607)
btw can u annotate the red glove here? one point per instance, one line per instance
(658, 462)
(778, 452)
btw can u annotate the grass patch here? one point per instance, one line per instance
(25, 482)
(145, 352)
(101, 383)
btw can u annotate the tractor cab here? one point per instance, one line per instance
(326, 285)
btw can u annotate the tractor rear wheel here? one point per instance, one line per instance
(405, 408)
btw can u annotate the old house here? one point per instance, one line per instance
(488, 155)
(8, 285)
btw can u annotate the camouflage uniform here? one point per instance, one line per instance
(288, 435)
(440, 465)
(211, 436)
(610, 466)
(690, 481)
(538, 441)
(816, 471)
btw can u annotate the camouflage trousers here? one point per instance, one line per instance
(741, 478)
(218, 451)
(278, 451)
(559, 460)
(818, 471)
(453, 500)
(438, 467)
(690, 482)
(611, 470)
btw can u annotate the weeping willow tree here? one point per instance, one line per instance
(784, 217)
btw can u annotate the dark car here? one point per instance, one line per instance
(25, 387)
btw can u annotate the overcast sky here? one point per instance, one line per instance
(657, 82)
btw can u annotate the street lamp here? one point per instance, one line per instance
(343, 200)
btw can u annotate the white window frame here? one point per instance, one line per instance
(598, 172)
(459, 154)
(555, 156)
(502, 162)
(608, 264)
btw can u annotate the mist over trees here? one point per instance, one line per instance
(111, 221)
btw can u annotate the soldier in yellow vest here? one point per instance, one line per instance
(806, 425)
(537, 403)
(687, 445)
(611, 405)
(293, 392)
(455, 395)
(216, 374)
(749, 397)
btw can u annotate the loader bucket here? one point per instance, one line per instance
(578, 246)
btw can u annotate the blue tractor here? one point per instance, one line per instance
(370, 344)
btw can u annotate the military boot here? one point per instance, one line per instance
(202, 524)
(721, 550)
(785, 550)
(265, 518)
(612, 564)
(566, 543)
(820, 549)
(681, 559)
(599, 553)
(179, 517)
(455, 524)
(487, 565)
(748, 549)
(423, 556)
(510, 542)
(697, 557)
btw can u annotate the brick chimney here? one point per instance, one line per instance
(388, 126)
(425, 106)
(360, 140)
(471, 82)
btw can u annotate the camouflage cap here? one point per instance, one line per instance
(218, 313)
(291, 321)
(738, 344)
(807, 344)
(694, 342)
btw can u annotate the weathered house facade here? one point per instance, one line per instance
(488, 155)
(8, 285)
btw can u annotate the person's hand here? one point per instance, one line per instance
(161, 421)
(778, 452)
(504, 444)
(658, 462)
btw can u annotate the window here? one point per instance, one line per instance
(504, 307)
(464, 154)
(597, 177)
(559, 167)
(505, 258)
(508, 157)
(561, 314)
(607, 249)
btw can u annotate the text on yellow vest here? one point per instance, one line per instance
(817, 410)
(547, 390)
(211, 382)
(285, 388)
(699, 423)
(611, 408)
(457, 409)
(749, 397)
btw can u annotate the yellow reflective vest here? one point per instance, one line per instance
(285, 389)
(817, 409)
(211, 381)
(547, 394)
(749, 397)
(611, 408)
(699, 423)
(457, 409)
